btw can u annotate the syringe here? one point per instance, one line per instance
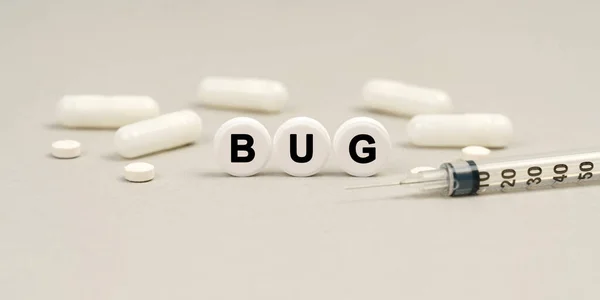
(468, 177)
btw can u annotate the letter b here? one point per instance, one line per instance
(247, 147)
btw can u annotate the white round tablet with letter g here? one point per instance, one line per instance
(66, 149)
(139, 172)
(362, 146)
(302, 146)
(242, 146)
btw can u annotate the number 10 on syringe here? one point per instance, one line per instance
(463, 178)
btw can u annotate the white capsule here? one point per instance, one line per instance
(404, 99)
(164, 132)
(460, 130)
(253, 94)
(95, 111)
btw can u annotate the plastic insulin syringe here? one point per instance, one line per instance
(468, 177)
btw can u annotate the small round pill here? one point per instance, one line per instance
(475, 152)
(66, 149)
(420, 169)
(139, 172)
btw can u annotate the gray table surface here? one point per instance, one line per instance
(75, 230)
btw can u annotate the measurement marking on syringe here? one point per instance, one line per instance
(510, 176)
(483, 176)
(560, 169)
(534, 172)
(586, 167)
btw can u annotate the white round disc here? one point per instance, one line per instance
(474, 152)
(298, 159)
(420, 169)
(139, 172)
(66, 149)
(362, 146)
(250, 150)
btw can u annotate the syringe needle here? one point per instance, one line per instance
(372, 186)
(402, 182)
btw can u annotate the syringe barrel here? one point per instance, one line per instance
(463, 177)
(478, 177)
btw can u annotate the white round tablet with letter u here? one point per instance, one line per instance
(242, 146)
(302, 146)
(362, 146)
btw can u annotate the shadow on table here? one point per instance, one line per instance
(416, 195)
(272, 173)
(57, 127)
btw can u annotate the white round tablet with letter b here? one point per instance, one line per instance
(301, 146)
(242, 146)
(362, 146)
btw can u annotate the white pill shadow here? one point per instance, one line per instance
(121, 178)
(275, 174)
(405, 197)
(408, 145)
(493, 196)
(50, 156)
(250, 112)
(57, 127)
(114, 156)
(372, 112)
